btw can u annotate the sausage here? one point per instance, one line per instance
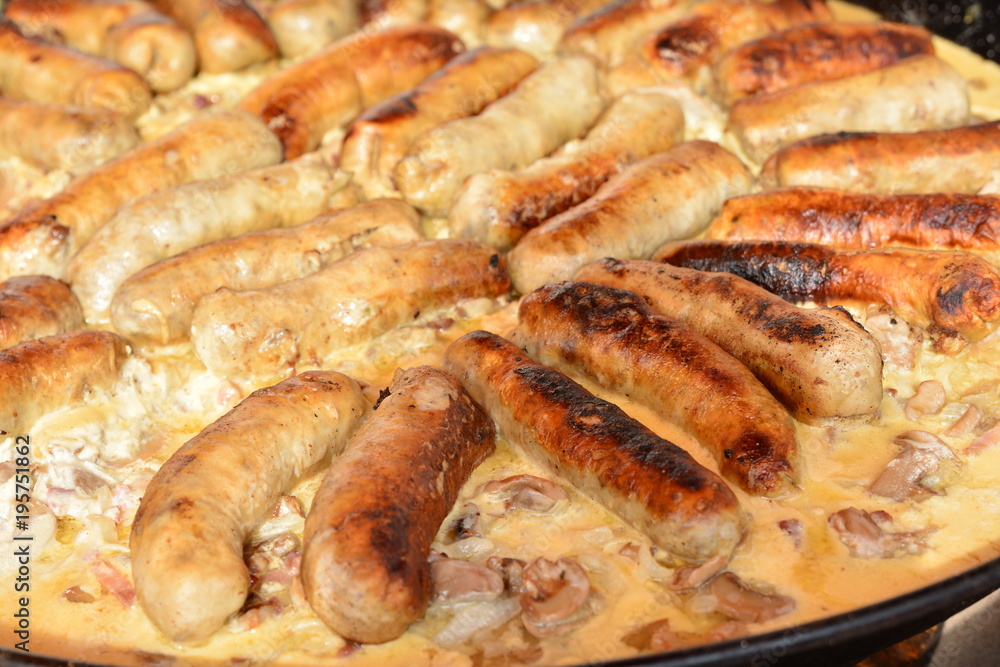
(554, 104)
(819, 362)
(129, 32)
(379, 138)
(814, 52)
(650, 482)
(36, 306)
(954, 294)
(382, 14)
(369, 531)
(304, 101)
(465, 18)
(156, 304)
(536, 25)
(270, 331)
(614, 338)
(917, 93)
(229, 35)
(860, 220)
(686, 48)
(664, 197)
(499, 207)
(954, 160)
(42, 375)
(187, 538)
(37, 71)
(170, 221)
(63, 137)
(208, 146)
(305, 26)
(610, 32)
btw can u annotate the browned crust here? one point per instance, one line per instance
(612, 336)
(377, 510)
(855, 220)
(36, 306)
(247, 20)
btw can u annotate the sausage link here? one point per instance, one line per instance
(819, 362)
(267, 332)
(305, 26)
(42, 375)
(156, 304)
(954, 294)
(961, 159)
(653, 484)
(210, 145)
(369, 530)
(500, 207)
(465, 18)
(664, 197)
(611, 31)
(536, 25)
(613, 337)
(188, 533)
(36, 306)
(382, 14)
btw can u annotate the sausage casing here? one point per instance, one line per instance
(305, 26)
(369, 530)
(613, 337)
(651, 483)
(611, 31)
(187, 536)
(36, 306)
(536, 25)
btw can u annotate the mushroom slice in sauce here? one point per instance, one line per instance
(864, 538)
(528, 492)
(739, 601)
(689, 578)
(928, 400)
(922, 455)
(511, 570)
(554, 598)
(455, 580)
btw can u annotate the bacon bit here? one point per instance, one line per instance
(58, 499)
(794, 529)
(199, 101)
(963, 425)
(985, 441)
(114, 582)
(77, 594)
(928, 400)
(689, 578)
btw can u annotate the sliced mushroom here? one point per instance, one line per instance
(454, 580)
(739, 601)
(969, 420)
(528, 492)
(922, 455)
(864, 537)
(657, 636)
(988, 439)
(466, 525)
(928, 400)
(554, 598)
(511, 570)
(689, 578)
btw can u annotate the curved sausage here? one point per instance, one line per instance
(465, 18)
(960, 159)
(267, 332)
(554, 104)
(37, 71)
(819, 363)
(614, 338)
(229, 35)
(379, 138)
(170, 221)
(859, 220)
(210, 145)
(917, 93)
(188, 534)
(129, 32)
(42, 375)
(536, 25)
(611, 31)
(956, 295)
(36, 306)
(499, 207)
(664, 197)
(305, 26)
(156, 304)
(304, 101)
(816, 52)
(369, 530)
(61, 136)
(650, 482)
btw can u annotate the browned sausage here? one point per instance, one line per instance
(855, 220)
(955, 294)
(36, 306)
(305, 26)
(535, 25)
(613, 30)
(39, 376)
(815, 52)
(302, 102)
(650, 482)
(962, 159)
(379, 506)
(613, 337)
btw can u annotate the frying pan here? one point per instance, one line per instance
(844, 639)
